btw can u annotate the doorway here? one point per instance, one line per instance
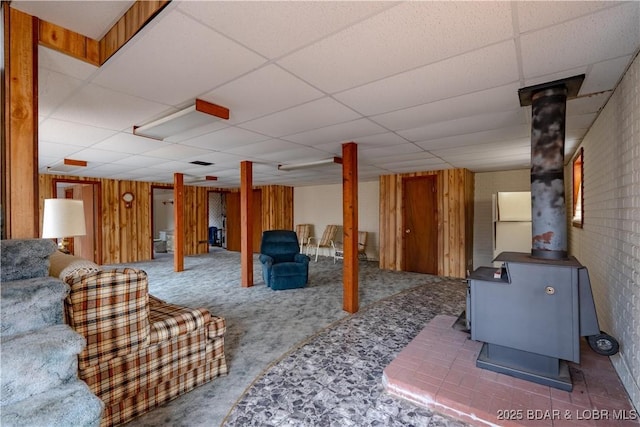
(217, 214)
(162, 222)
(88, 246)
(420, 224)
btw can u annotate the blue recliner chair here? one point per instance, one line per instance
(283, 266)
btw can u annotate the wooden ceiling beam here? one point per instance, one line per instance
(97, 52)
(134, 19)
(68, 42)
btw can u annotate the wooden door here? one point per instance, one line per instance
(420, 224)
(232, 227)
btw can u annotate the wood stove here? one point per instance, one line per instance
(532, 314)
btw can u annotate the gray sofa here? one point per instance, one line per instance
(39, 372)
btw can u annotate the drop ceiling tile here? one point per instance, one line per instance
(312, 115)
(52, 60)
(56, 150)
(225, 139)
(466, 125)
(97, 155)
(91, 19)
(582, 121)
(608, 34)
(604, 75)
(504, 165)
(275, 28)
(393, 151)
(501, 148)
(222, 160)
(478, 70)
(496, 135)
(140, 161)
(229, 173)
(497, 99)
(409, 35)
(366, 168)
(265, 169)
(124, 142)
(299, 154)
(216, 125)
(521, 157)
(172, 167)
(162, 179)
(96, 106)
(264, 147)
(176, 152)
(533, 15)
(70, 133)
(264, 91)
(181, 69)
(195, 171)
(53, 89)
(516, 161)
(135, 175)
(108, 169)
(381, 140)
(332, 148)
(44, 161)
(414, 164)
(342, 132)
(417, 98)
(396, 159)
(587, 104)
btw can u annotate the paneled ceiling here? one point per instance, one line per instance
(417, 85)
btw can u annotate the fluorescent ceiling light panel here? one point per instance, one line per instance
(199, 114)
(197, 180)
(291, 167)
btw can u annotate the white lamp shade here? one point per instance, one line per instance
(63, 218)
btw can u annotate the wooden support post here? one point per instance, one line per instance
(350, 226)
(246, 223)
(178, 222)
(20, 125)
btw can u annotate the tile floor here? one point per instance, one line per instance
(437, 370)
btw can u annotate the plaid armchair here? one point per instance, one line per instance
(141, 351)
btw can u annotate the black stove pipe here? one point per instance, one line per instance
(548, 213)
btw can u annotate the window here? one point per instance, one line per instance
(578, 181)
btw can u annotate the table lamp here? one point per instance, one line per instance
(63, 218)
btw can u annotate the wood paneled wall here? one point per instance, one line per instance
(196, 220)
(277, 207)
(127, 232)
(276, 213)
(455, 221)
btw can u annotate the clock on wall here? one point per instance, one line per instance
(127, 198)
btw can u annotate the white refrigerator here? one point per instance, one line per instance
(511, 222)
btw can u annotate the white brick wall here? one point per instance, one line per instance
(486, 184)
(609, 243)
